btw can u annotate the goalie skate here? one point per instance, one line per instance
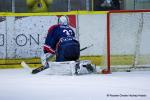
(86, 67)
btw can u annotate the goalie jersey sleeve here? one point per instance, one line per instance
(57, 34)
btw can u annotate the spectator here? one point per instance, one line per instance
(106, 5)
(115, 5)
(38, 5)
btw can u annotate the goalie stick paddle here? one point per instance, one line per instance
(39, 69)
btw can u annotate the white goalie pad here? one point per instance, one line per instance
(70, 67)
(62, 68)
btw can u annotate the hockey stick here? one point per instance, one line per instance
(41, 68)
(34, 71)
(26, 67)
(86, 47)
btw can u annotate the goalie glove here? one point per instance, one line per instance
(45, 57)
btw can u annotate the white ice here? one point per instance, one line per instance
(17, 84)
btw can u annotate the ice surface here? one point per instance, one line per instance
(17, 84)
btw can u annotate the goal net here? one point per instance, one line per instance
(127, 41)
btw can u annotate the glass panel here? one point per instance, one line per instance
(20, 6)
(5, 6)
(59, 6)
(78, 4)
(142, 4)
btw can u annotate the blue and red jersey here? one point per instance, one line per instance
(58, 34)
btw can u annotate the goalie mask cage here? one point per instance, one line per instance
(127, 41)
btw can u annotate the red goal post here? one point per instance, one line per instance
(109, 35)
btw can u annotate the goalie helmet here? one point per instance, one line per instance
(63, 20)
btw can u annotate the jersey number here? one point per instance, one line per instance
(68, 32)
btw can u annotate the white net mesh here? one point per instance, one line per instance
(129, 40)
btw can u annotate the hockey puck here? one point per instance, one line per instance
(128, 70)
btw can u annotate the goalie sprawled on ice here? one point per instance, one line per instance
(61, 41)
